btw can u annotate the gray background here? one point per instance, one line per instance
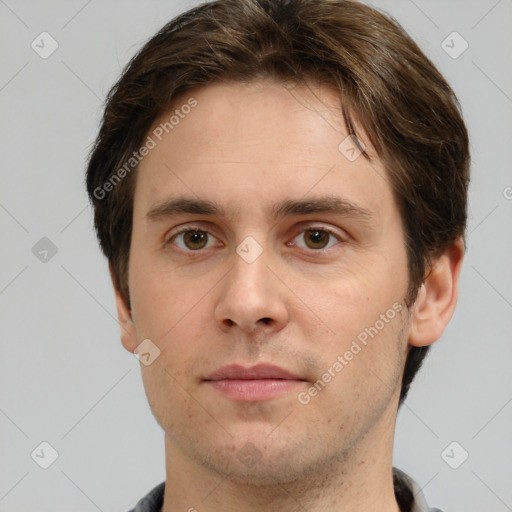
(64, 376)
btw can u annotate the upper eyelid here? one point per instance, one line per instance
(304, 227)
(307, 226)
(184, 229)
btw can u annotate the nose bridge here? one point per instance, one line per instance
(250, 271)
(250, 296)
(249, 278)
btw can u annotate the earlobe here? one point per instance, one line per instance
(128, 334)
(437, 297)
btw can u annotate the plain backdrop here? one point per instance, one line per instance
(65, 378)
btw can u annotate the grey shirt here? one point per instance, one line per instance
(408, 495)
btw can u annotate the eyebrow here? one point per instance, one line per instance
(324, 204)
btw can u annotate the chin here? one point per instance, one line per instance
(253, 460)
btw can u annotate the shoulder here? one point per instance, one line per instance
(408, 494)
(153, 501)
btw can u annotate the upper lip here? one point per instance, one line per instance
(259, 371)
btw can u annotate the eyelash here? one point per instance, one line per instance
(187, 229)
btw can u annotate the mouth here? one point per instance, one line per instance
(253, 384)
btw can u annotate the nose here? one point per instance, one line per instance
(251, 298)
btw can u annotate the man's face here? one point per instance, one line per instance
(259, 283)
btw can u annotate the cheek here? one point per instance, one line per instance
(352, 299)
(169, 398)
(362, 314)
(175, 313)
(160, 298)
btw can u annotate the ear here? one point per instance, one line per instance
(437, 297)
(124, 315)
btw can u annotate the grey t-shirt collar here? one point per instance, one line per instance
(408, 493)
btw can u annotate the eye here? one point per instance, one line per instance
(317, 238)
(192, 239)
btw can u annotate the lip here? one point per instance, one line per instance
(253, 384)
(257, 372)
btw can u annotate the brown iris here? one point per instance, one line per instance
(195, 240)
(316, 238)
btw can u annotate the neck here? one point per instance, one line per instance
(356, 479)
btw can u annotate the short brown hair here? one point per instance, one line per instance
(399, 99)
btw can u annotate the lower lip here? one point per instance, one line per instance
(254, 390)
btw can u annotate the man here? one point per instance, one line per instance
(280, 189)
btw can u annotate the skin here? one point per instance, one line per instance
(299, 305)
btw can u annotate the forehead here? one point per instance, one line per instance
(256, 141)
(260, 110)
